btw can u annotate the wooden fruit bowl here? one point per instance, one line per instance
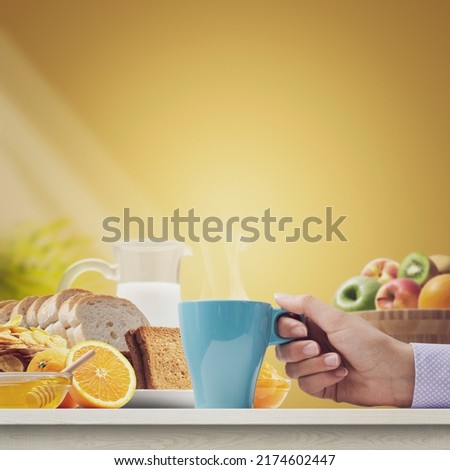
(413, 325)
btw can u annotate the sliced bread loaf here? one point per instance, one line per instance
(70, 337)
(3, 303)
(58, 329)
(31, 314)
(48, 312)
(65, 314)
(5, 311)
(50, 329)
(78, 334)
(105, 318)
(22, 307)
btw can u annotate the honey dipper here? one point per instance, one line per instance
(41, 395)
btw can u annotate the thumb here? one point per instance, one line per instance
(328, 318)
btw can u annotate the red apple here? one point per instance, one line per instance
(382, 269)
(398, 293)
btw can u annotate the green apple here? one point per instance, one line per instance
(357, 293)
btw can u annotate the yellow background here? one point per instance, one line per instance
(231, 107)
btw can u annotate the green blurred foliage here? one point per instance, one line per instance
(33, 258)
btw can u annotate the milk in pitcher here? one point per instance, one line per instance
(158, 301)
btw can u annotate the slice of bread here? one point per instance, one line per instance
(22, 307)
(31, 315)
(106, 318)
(3, 303)
(78, 334)
(58, 329)
(136, 358)
(163, 358)
(73, 335)
(128, 356)
(70, 337)
(5, 311)
(50, 329)
(65, 313)
(48, 312)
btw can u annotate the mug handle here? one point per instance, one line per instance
(109, 271)
(276, 314)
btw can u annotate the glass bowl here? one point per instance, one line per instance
(271, 388)
(270, 393)
(33, 389)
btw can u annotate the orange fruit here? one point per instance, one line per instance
(105, 381)
(48, 360)
(436, 292)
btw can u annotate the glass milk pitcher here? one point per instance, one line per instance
(147, 273)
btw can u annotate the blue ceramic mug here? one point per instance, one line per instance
(224, 342)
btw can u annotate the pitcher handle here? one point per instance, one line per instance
(109, 271)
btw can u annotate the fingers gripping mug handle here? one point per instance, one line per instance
(276, 314)
(109, 271)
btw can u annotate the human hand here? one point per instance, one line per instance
(342, 357)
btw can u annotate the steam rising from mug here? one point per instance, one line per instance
(222, 279)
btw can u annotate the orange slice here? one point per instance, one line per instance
(106, 381)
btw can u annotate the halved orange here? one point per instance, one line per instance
(106, 381)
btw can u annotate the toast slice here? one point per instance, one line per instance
(163, 359)
(136, 358)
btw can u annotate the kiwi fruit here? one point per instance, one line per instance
(418, 267)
